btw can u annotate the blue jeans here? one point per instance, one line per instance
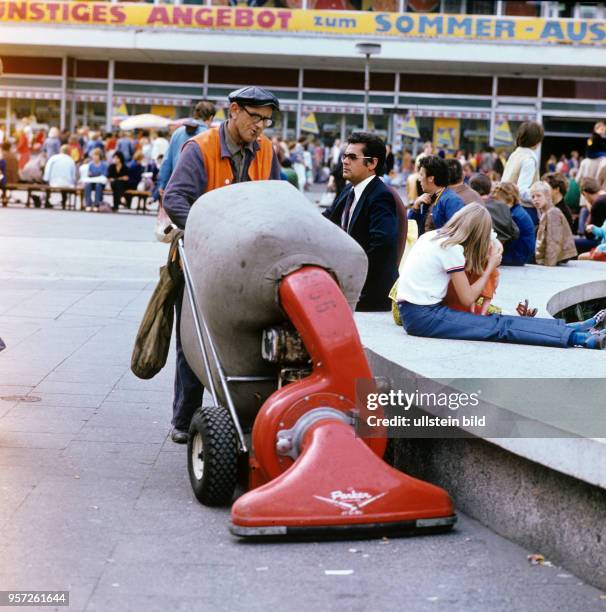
(88, 190)
(188, 389)
(584, 245)
(438, 321)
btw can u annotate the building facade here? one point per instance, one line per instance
(463, 72)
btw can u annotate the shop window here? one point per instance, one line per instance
(89, 69)
(474, 135)
(265, 77)
(326, 79)
(446, 84)
(454, 7)
(562, 9)
(175, 73)
(589, 10)
(45, 112)
(522, 9)
(587, 90)
(517, 87)
(381, 81)
(91, 114)
(481, 7)
(32, 65)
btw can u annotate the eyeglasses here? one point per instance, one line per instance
(267, 121)
(353, 157)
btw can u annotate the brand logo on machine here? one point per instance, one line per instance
(350, 501)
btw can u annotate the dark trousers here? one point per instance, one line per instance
(584, 245)
(188, 389)
(118, 189)
(437, 321)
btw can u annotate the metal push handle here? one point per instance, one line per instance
(200, 324)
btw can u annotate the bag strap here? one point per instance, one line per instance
(173, 252)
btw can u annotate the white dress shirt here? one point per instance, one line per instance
(358, 191)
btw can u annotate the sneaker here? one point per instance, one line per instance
(88, 209)
(593, 325)
(600, 321)
(596, 341)
(178, 436)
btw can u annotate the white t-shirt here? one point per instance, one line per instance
(159, 147)
(425, 276)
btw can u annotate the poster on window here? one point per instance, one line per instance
(446, 135)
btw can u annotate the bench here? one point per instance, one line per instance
(72, 193)
(7, 188)
(143, 198)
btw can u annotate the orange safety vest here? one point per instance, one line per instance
(219, 169)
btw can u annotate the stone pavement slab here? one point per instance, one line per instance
(95, 498)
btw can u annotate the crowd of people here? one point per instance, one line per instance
(114, 163)
(462, 228)
(435, 229)
(96, 163)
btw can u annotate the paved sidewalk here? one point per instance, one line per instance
(95, 499)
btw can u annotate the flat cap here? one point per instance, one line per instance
(254, 96)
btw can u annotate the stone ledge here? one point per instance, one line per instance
(544, 511)
(548, 494)
(401, 357)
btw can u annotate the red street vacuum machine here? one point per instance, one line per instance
(267, 326)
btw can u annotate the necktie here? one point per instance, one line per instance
(348, 203)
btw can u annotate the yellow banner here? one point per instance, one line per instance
(309, 124)
(347, 23)
(408, 127)
(164, 111)
(502, 132)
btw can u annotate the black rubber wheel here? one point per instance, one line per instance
(212, 456)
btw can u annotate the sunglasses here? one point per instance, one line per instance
(352, 157)
(267, 121)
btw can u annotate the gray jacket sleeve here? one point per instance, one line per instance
(187, 183)
(274, 175)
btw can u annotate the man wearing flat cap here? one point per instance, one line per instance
(235, 152)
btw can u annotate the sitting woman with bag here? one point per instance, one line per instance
(464, 245)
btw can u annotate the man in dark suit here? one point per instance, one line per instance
(366, 210)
